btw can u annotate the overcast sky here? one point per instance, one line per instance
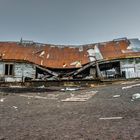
(69, 21)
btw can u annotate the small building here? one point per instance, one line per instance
(27, 60)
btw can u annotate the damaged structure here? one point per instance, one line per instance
(27, 60)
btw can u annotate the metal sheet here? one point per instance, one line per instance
(56, 56)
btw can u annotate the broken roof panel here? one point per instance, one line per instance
(52, 56)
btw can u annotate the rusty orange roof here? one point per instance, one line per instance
(46, 55)
(118, 49)
(53, 56)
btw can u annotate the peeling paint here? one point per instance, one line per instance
(81, 49)
(91, 53)
(42, 53)
(3, 54)
(126, 51)
(48, 55)
(64, 65)
(41, 62)
(94, 53)
(24, 58)
(76, 64)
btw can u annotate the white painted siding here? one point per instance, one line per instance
(1, 69)
(137, 67)
(24, 70)
(13, 79)
(132, 70)
(21, 71)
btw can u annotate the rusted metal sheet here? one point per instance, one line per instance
(63, 57)
(118, 49)
(47, 56)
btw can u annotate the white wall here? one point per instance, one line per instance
(21, 70)
(1, 69)
(132, 68)
(24, 70)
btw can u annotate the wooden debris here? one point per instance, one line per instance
(110, 118)
(80, 97)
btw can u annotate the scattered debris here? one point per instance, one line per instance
(2, 99)
(13, 86)
(92, 85)
(127, 87)
(136, 96)
(90, 92)
(15, 107)
(40, 97)
(69, 89)
(110, 118)
(41, 86)
(74, 99)
(116, 96)
(37, 97)
(80, 97)
(129, 82)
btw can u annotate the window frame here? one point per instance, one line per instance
(10, 71)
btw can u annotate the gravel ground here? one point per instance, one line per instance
(45, 116)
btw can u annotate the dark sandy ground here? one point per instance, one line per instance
(44, 116)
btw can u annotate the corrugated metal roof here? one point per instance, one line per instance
(118, 49)
(47, 56)
(53, 56)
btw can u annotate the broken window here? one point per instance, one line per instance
(8, 69)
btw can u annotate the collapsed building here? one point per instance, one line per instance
(27, 60)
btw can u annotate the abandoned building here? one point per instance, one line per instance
(27, 60)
